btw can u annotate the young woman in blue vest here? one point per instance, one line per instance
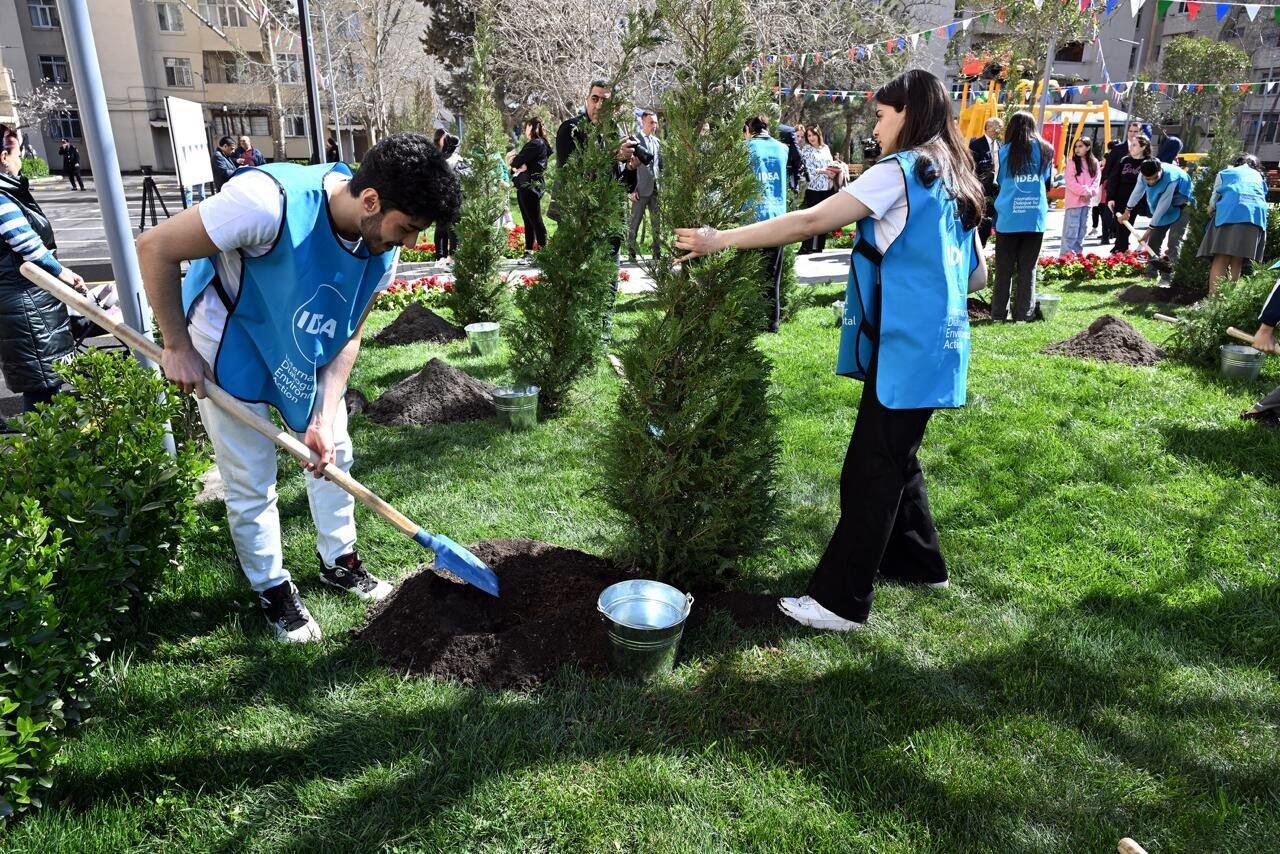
(1167, 190)
(1237, 227)
(905, 334)
(286, 261)
(1022, 206)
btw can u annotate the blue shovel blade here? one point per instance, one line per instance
(452, 557)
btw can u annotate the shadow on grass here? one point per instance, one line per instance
(1239, 449)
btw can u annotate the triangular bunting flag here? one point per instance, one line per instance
(853, 53)
(1221, 10)
(888, 46)
(1193, 9)
(1038, 3)
(964, 25)
(1271, 86)
(900, 44)
(1251, 9)
(951, 30)
(1001, 15)
(985, 19)
(915, 40)
(1276, 12)
(1084, 5)
(926, 35)
(1134, 6)
(1111, 6)
(1162, 7)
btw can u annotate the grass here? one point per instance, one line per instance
(1103, 666)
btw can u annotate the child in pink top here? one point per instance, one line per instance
(1082, 179)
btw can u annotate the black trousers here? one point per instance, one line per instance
(885, 524)
(446, 239)
(988, 223)
(72, 174)
(771, 267)
(1102, 214)
(535, 229)
(1016, 255)
(818, 242)
(1122, 233)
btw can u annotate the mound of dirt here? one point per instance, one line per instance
(545, 619)
(419, 323)
(1143, 294)
(437, 394)
(1109, 339)
(979, 309)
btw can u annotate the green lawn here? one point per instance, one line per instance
(1104, 664)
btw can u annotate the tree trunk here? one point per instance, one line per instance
(276, 113)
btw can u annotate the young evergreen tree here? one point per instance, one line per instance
(565, 315)
(691, 453)
(479, 291)
(1188, 270)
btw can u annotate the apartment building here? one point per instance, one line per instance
(149, 50)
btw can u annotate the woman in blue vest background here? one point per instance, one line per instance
(1026, 162)
(905, 333)
(1238, 220)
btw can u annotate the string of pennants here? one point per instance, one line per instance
(911, 41)
(1116, 87)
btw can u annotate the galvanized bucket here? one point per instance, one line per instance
(837, 308)
(483, 338)
(517, 406)
(645, 620)
(1049, 305)
(1240, 361)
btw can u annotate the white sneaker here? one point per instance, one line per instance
(288, 617)
(806, 611)
(940, 585)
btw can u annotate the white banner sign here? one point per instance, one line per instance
(190, 144)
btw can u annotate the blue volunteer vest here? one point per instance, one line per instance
(297, 306)
(1021, 203)
(906, 310)
(1169, 174)
(769, 163)
(1242, 197)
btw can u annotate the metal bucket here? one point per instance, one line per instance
(837, 308)
(517, 406)
(1049, 305)
(483, 338)
(1240, 361)
(645, 620)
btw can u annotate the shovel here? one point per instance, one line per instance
(450, 556)
(1237, 334)
(1134, 232)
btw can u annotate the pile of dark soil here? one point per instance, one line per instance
(437, 394)
(419, 323)
(1109, 339)
(545, 619)
(979, 309)
(1143, 294)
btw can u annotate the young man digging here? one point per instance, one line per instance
(286, 261)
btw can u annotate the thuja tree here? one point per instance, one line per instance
(479, 292)
(566, 314)
(1190, 271)
(692, 450)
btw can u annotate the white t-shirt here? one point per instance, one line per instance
(883, 189)
(245, 216)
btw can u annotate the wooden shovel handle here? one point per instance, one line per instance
(221, 398)
(1239, 335)
(1128, 846)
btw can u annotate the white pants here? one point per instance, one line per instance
(247, 462)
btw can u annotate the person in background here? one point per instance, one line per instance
(331, 153)
(223, 161)
(1110, 164)
(985, 150)
(446, 236)
(1237, 229)
(35, 332)
(1025, 163)
(768, 159)
(915, 260)
(528, 168)
(645, 195)
(71, 163)
(1121, 184)
(247, 155)
(820, 166)
(793, 138)
(1170, 147)
(1168, 195)
(1082, 179)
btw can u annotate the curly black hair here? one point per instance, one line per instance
(411, 175)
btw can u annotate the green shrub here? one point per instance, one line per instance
(94, 463)
(1202, 328)
(34, 167)
(1273, 234)
(692, 452)
(38, 660)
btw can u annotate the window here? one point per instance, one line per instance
(223, 13)
(44, 14)
(53, 69)
(170, 18)
(1070, 52)
(290, 65)
(177, 72)
(238, 124)
(66, 126)
(227, 67)
(295, 126)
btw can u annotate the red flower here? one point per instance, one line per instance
(624, 275)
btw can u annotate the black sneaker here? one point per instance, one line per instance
(348, 573)
(287, 615)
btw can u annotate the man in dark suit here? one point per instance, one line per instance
(645, 195)
(224, 165)
(986, 152)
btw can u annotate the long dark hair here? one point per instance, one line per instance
(1246, 160)
(930, 130)
(1020, 134)
(535, 124)
(1089, 159)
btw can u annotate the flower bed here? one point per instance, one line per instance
(1074, 269)
(427, 290)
